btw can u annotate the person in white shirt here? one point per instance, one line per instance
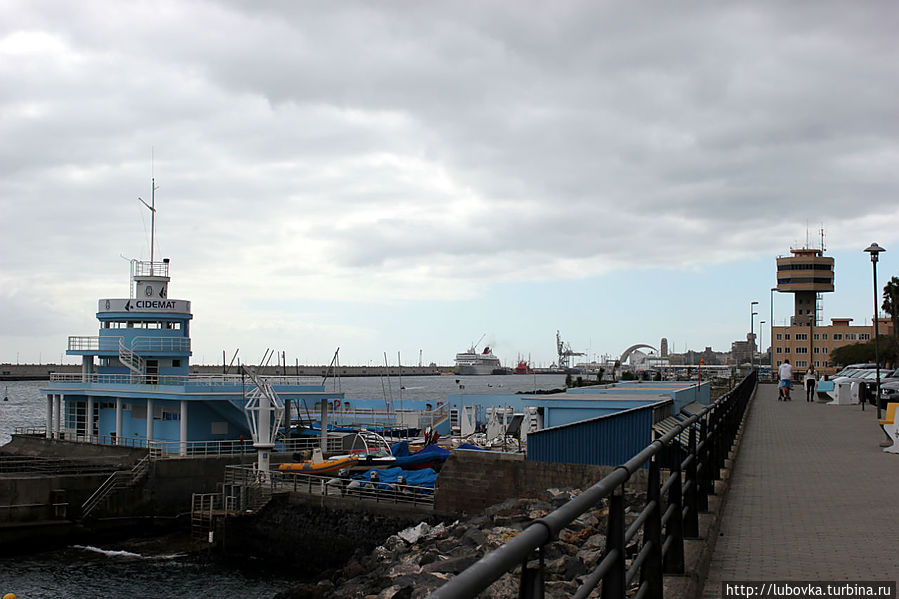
(785, 373)
(810, 380)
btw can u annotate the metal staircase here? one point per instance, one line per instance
(131, 360)
(244, 493)
(121, 479)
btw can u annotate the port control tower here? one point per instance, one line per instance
(805, 274)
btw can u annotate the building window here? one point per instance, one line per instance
(837, 336)
(864, 336)
(816, 364)
(817, 350)
(801, 350)
(786, 350)
(176, 363)
(816, 336)
(823, 350)
(777, 350)
(851, 336)
(824, 336)
(801, 336)
(779, 337)
(786, 336)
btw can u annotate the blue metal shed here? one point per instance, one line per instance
(607, 440)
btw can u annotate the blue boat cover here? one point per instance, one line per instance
(426, 477)
(400, 449)
(470, 446)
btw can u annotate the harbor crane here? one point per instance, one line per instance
(565, 353)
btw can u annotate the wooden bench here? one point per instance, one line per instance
(891, 428)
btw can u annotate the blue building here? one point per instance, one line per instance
(577, 404)
(135, 388)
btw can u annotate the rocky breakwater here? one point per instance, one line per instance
(417, 560)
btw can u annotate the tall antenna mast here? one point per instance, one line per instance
(152, 207)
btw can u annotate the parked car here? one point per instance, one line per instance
(889, 391)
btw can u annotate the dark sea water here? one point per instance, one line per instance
(85, 571)
(136, 569)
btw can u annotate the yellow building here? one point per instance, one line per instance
(806, 274)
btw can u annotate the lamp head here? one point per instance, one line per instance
(874, 250)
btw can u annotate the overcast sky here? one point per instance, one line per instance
(408, 176)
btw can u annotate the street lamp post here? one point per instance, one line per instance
(761, 345)
(752, 314)
(875, 250)
(771, 324)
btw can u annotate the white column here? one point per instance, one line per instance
(118, 420)
(49, 432)
(60, 416)
(149, 421)
(323, 439)
(87, 368)
(183, 436)
(89, 420)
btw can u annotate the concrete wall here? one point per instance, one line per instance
(172, 482)
(309, 538)
(39, 446)
(473, 480)
(22, 490)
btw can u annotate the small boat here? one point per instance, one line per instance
(522, 368)
(319, 465)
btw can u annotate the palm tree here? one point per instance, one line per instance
(891, 303)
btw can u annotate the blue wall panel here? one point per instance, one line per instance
(605, 441)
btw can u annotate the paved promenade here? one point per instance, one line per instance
(812, 497)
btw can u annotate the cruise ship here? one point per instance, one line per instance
(472, 362)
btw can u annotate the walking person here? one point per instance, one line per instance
(785, 373)
(810, 381)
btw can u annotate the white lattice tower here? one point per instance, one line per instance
(264, 411)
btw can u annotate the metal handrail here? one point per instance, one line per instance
(335, 486)
(142, 343)
(711, 434)
(199, 380)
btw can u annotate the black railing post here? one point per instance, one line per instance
(531, 586)
(674, 529)
(719, 433)
(651, 571)
(691, 491)
(613, 583)
(705, 465)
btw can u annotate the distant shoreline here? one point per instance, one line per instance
(41, 372)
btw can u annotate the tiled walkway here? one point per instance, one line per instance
(812, 497)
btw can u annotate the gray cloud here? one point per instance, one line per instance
(442, 142)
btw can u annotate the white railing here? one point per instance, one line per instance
(200, 449)
(199, 380)
(138, 344)
(131, 360)
(145, 268)
(160, 344)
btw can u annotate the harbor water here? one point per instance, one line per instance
(137, 569)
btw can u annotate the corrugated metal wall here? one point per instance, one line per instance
(605, 441)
